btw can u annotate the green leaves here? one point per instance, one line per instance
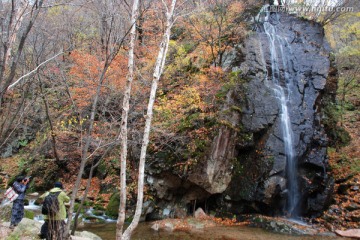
(23, 142)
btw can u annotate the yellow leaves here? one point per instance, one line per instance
(176, 106)
(189, 97)
(57, 10)
(71, 124)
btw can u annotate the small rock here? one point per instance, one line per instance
(169, 226)
(155, 226)
(342, 189)
(353, 233)
(34, 194)
(273, 224)
(355, 218)
(352, 207)
(199, 213)
(86, 235)
(334, 209)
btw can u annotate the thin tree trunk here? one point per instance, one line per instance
(124, 120)
(88, 184)
(159, 66)
(50, 123)
(84, 157)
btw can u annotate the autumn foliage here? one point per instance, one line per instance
(85, 75)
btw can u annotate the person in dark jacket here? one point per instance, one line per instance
(17, 213)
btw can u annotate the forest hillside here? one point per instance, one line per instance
(64, 73)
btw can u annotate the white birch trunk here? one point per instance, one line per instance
(124, 119)
(159, 66)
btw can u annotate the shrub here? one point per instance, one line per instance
(29, 214)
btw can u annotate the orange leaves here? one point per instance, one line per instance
(191, 223)
(235, 8)
(211, 81)
(116, 74)
(228, 221)
(85, 75)
(201, 133)
(85, 65)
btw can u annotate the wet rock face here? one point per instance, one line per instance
(302, 73)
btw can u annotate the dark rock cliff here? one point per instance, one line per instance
(246, 168)
(262, 185)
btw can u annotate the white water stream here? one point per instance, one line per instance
(279, 49)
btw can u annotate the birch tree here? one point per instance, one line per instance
(124, 120)
(158, 69)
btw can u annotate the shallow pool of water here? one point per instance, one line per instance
(144, 232)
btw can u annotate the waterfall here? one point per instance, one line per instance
(89, 215)
(32, 205)
(281, 85)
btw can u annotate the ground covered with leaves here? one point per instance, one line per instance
(344, 213)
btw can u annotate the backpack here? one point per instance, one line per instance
(51, 204)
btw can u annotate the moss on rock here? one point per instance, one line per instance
(112, 208)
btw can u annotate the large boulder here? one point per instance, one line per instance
(215, 174)
(29, 229)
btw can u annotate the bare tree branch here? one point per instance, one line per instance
(33, 71)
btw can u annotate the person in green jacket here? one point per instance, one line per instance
(53, 227)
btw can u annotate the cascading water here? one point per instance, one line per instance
(32, 205)
(277, 77)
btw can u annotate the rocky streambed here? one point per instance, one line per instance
(204, 227)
